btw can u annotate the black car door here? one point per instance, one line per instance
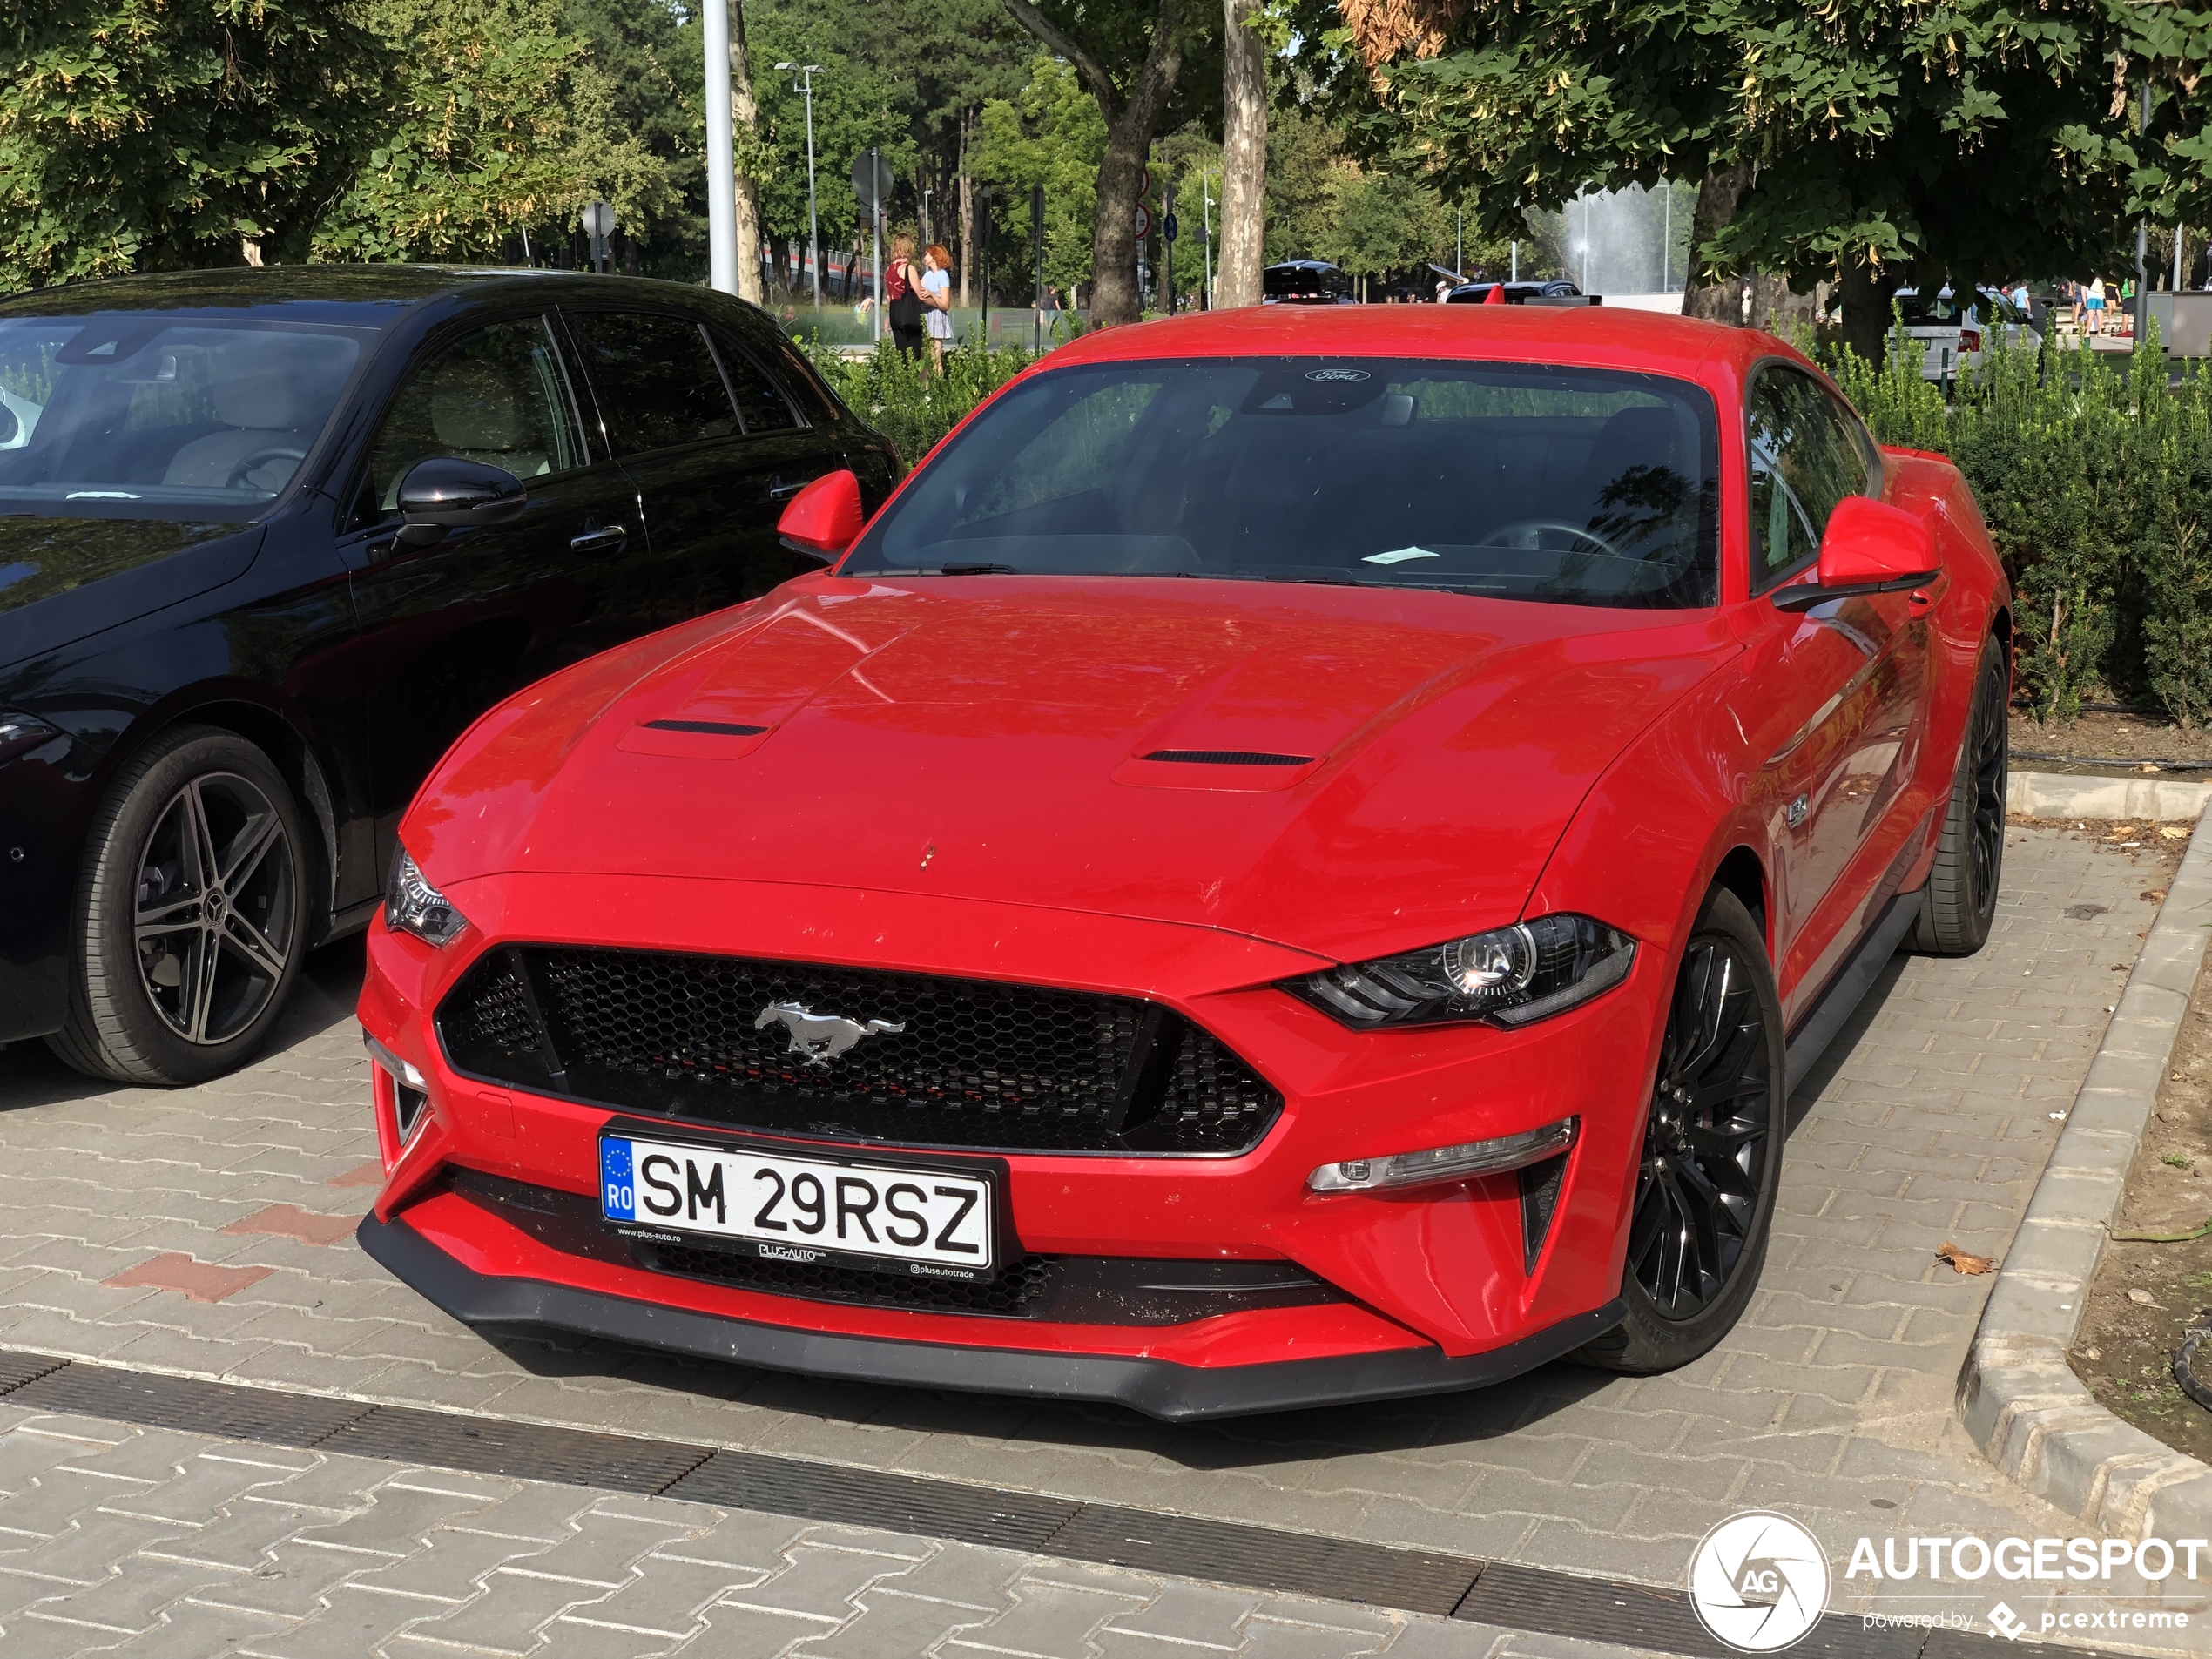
(448, 629)
(714, 446)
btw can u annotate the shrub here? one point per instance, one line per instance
(905, 400)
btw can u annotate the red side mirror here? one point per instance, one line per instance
(825, 518)
(1870, 541)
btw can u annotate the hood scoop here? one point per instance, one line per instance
(1225, 758)
(693, 740)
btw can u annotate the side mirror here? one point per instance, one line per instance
(9, 424)
(825, 518)
(446, 493)
(1868, 547)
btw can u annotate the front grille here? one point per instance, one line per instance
(1069, 1290)
(951, 1062)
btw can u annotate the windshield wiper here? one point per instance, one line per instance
(977, 569)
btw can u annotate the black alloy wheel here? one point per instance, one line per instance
(1958, 904)
(215, 895)
(192, 913)
(1712, 1152)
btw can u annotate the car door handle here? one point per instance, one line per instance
(781, 489)
(599, 539)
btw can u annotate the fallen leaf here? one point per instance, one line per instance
(2173, 831)
(2142, 1298)
(2154, 895)
(2092, 1353)
(1964, 1261)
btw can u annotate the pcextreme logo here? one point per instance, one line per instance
(1758, 1581)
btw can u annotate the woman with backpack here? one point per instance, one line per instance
(902, 306)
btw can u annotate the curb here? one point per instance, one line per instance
(2019, 1399)
(2054, 794)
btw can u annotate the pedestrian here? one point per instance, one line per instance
(937, 300)
(2094, 304)
(902, 306)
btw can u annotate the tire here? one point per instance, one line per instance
(1712, 1152)
(175, 979)
(1959, 901)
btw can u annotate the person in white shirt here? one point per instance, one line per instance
(937, 299)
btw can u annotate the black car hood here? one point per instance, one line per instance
(62, 578)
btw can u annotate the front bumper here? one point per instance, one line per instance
(1157, 1388)
(1436, 1288)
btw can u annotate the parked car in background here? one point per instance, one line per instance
(271, 539)
(1299, 859)
(1476, 293)
(1953, 327)
(1305, 282)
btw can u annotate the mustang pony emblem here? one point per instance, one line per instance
(821, 1037)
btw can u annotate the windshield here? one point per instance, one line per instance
(162, 416)
(1574, 486)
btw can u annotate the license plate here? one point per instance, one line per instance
(937, 1222)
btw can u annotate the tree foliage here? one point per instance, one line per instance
(155, 134)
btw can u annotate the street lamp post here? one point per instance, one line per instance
(721, 154)
(807, 72)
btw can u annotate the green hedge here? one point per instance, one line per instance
(903, 398)
(2095, 475)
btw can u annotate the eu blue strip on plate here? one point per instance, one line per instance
(617, 1196)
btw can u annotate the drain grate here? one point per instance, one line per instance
(1339, 1569)
(526, 1451)
(864, 1497)
(264, 1415)
(16, 1369)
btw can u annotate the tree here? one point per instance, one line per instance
(1051, 136)
(1861, 142)
(482, 141)
(1383, 221)
(745, 127)
(1244, 154)
(1147, 42)
(139, 135)
(640, 133)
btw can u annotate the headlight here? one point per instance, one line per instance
(21, 733)
(413, 905)
(1511, 976)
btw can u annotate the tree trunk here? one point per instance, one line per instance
(966, 212)
(745, 121)
(1866, 307)
(1133, 115)
(1704, 295)
(1244, 157)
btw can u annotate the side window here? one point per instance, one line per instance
(497, 396)
(657, 381)
(761, 403)
(1804, 458)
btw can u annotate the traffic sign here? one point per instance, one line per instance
(871, 179)
(1144, 182)
(1144, 222)
(1167, 227)
(598, 221)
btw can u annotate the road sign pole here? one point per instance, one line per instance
(985, 193)
(1036, 238)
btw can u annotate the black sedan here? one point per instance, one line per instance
(270, 539)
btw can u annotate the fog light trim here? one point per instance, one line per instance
(1499, 1155)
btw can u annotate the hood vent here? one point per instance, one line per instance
(712, 728)
(1226, 757)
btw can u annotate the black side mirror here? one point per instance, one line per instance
(446, 493)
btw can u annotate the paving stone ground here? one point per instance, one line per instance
(1928, 1123)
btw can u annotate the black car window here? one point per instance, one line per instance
(496, 394)
(210, 416)
(1804, 458)
(761, 404)
(657, 381)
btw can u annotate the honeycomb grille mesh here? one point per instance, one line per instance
(911, 1058)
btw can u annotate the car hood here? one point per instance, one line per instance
(1084, 743)
(63, 577)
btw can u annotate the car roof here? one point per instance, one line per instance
(356, 295)
(1591, 336)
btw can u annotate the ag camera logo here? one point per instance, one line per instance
(1758, 1581)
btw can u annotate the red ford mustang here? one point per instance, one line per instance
(1296, 859)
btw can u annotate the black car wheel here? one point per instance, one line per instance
(191, 914)
(1959, 901)
(1712, 1155)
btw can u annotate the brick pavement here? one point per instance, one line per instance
(1929, 1122)
(145, 1543)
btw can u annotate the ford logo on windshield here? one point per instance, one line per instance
(1338, 376)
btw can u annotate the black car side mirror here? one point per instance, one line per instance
(446, 493)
